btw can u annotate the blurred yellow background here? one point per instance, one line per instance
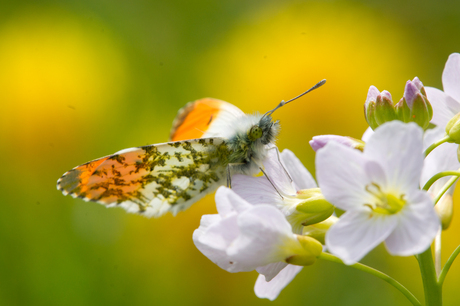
(80, 80)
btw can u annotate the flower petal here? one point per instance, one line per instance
(417, 226)
(320, 141)
(376, 173)
(271, 289)
(371, 95)
(451, 76)
(271, 270)
(214, 236)
(255, 190)
(258, 190)
(206, 222)
(227, 202)
(299, 174)
(398, 147)
(367, 134)
(265, 237)
(410, 92)
(341, 176)
(444, 106)
(356, 233)
(277, 174)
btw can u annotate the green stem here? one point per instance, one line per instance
(432, 289)
(445, 188)
(439, 175)
(377, 273)
(435, 144)
(446, 268)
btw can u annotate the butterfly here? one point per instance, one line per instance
(210, 140)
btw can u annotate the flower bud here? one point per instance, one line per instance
(312, 248)
(453, 128)
(318, 142)
(378, 107)
(414, 105)
(384, 109)
(319, 230)
(445, 209)
(314, 208)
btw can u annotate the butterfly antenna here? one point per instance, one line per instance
(282, 103)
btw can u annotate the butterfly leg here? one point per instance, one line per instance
(229, 177)
(271, 182)
(279, 160)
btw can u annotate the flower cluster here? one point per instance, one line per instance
(392, 187)
(413, 106)
(259, 225)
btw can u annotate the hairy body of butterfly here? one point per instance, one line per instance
(155, 179)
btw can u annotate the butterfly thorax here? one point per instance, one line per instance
(248, 141)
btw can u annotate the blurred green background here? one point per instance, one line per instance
(83, 79)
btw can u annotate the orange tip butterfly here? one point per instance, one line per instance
(210, 140)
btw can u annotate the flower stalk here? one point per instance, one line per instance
(447, 266)
(445, 188)
(432, 289)
(377, 273)
(436, 177)
(436, 144)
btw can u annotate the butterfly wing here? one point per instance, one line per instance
(204, 118)
(153, 179)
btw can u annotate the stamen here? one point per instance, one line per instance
(374, 193)
(385, 202)
(369, 205)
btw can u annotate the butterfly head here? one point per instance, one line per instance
(255, 133)
(266, 130)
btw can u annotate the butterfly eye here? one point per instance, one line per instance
(255, 133)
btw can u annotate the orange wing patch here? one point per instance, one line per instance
(194, 119)
(111, 179)
(76, 180)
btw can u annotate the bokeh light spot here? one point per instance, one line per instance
(284, 50)
(52, 64)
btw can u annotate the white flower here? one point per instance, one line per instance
(259, 190)
(443, 158)
(379, 190)
(245, 237)
(446, 104)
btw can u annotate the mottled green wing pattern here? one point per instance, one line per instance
(153, 179)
